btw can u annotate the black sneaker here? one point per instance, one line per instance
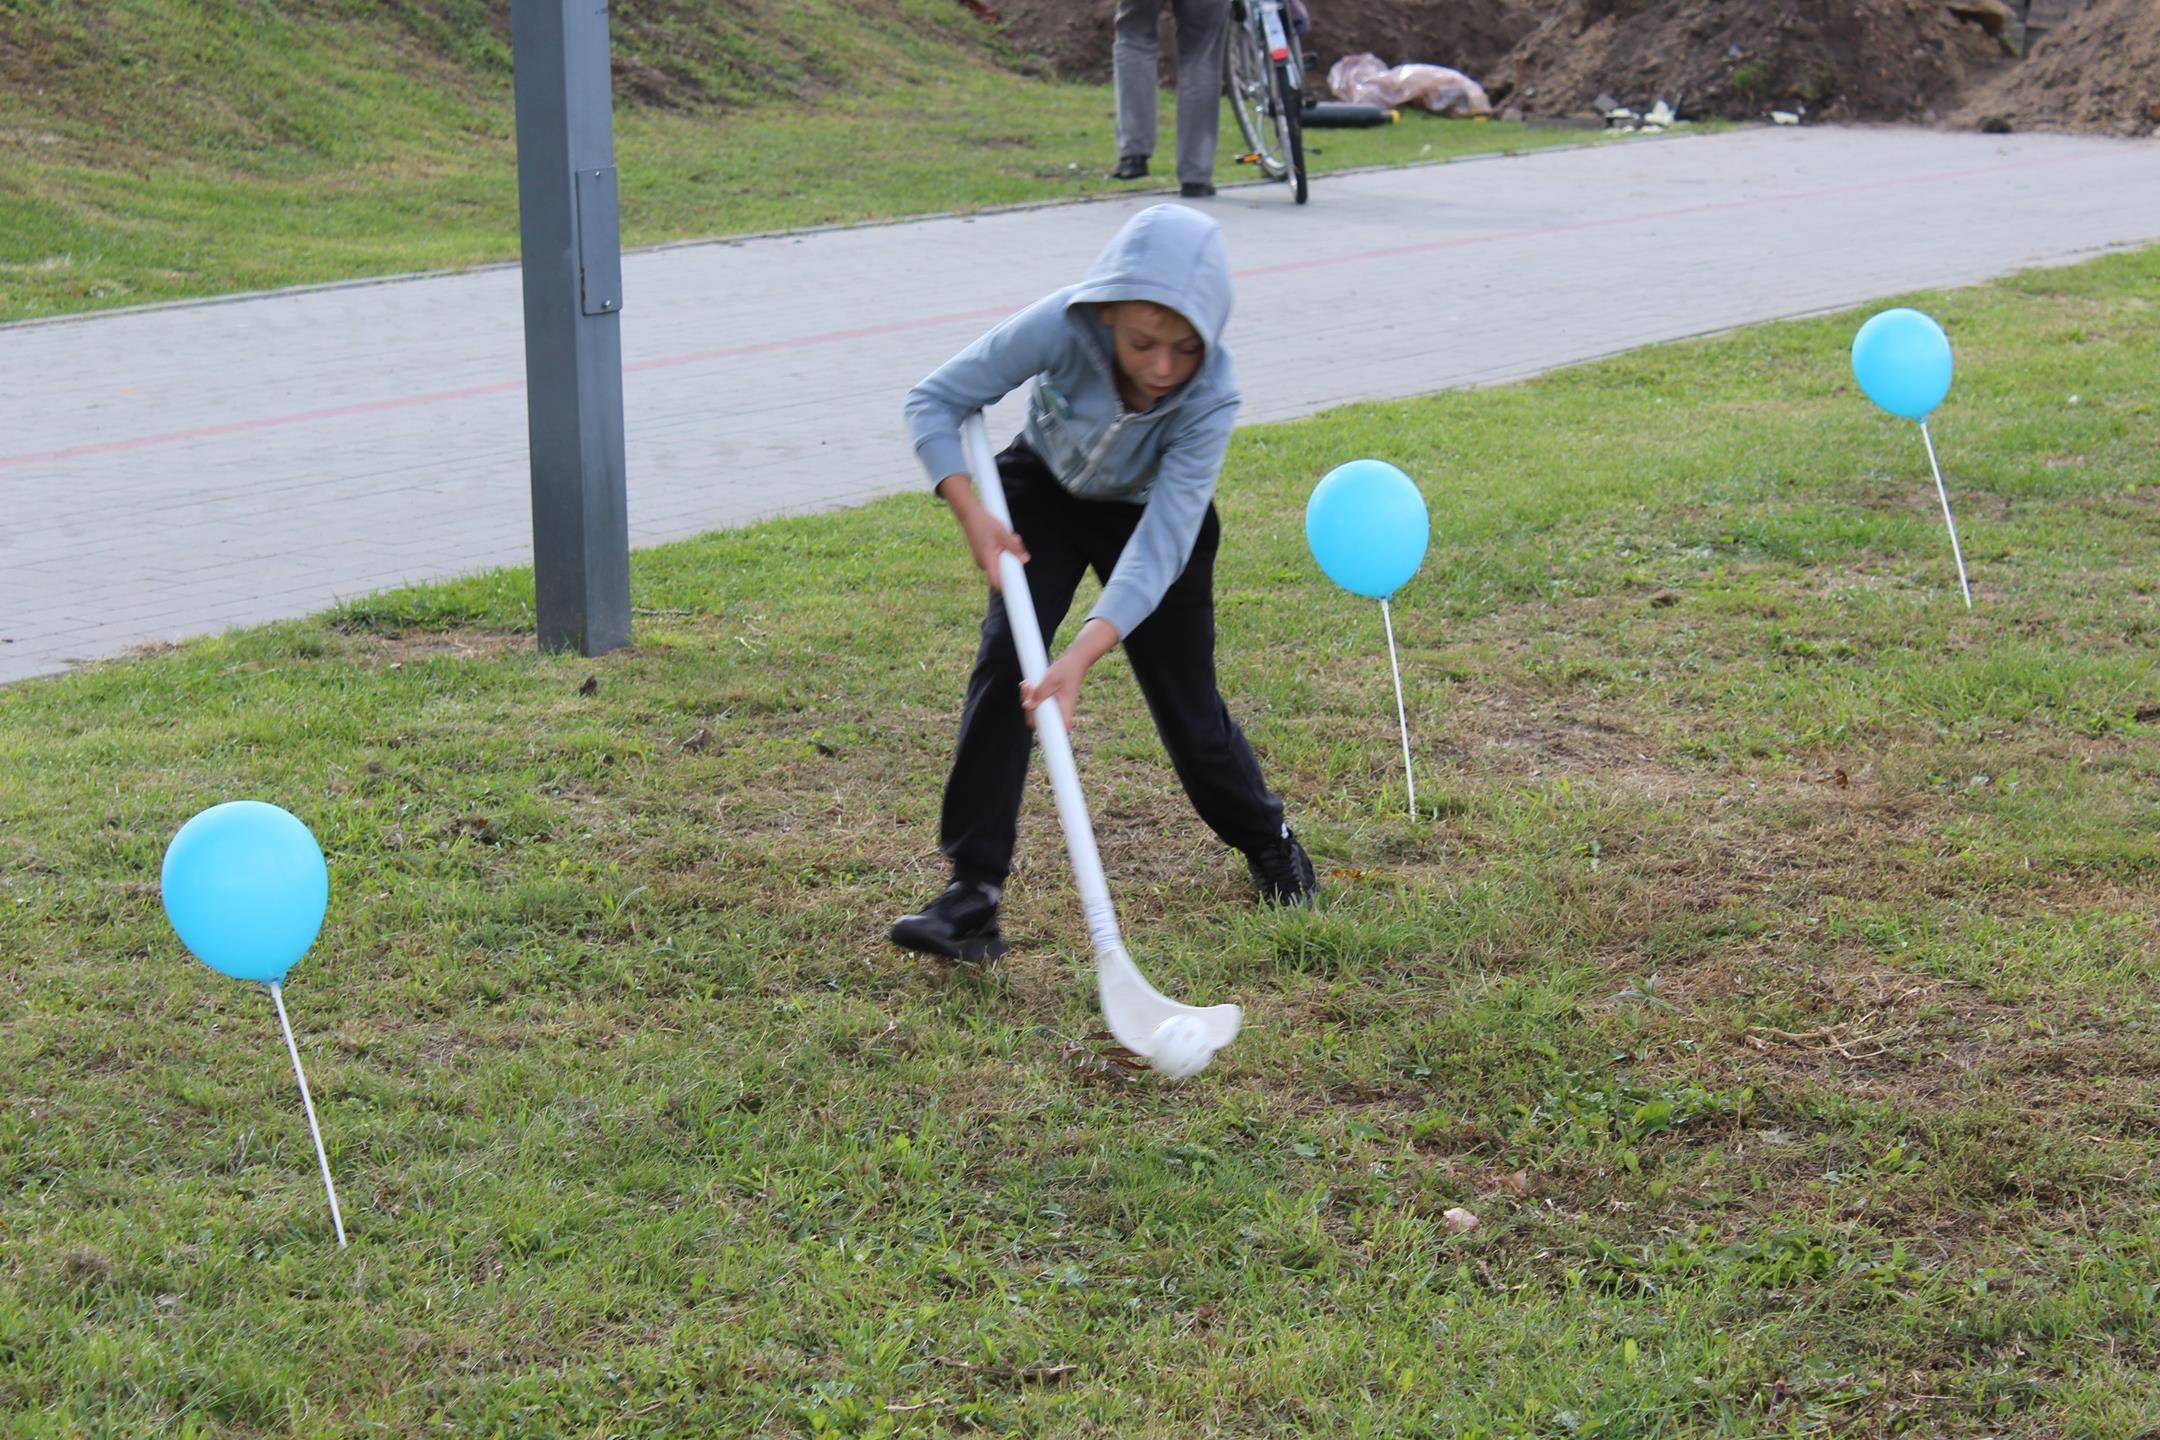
(960, 924)
(1130, 167)
(1195, 190)
(1283, 872)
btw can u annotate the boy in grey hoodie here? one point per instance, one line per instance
(1131, 397)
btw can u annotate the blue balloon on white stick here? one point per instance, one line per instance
(1902, 360)
(245, 887)
(1367, 526)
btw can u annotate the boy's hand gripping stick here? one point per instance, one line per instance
(1177, 1040)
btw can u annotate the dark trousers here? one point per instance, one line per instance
(1172, 653)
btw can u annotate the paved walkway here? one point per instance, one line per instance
(177, 471)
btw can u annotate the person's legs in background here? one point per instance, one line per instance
(1202, 26)
(1132, 68)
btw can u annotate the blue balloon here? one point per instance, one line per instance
(1902, 360)
(245, 887)
(1367, 526)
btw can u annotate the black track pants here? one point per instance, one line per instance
(1172, 654)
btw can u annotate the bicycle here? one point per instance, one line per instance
(1265, 75)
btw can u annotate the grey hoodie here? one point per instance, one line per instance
(1165, 460)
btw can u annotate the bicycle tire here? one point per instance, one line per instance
(1249, 77)
(1290, 105)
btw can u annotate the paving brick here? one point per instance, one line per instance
(202, 465)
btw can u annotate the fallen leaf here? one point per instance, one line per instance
(1459, 1221)
(1117, 1067)
(1517, 1183)
(1842, 780)
(1107, 1044)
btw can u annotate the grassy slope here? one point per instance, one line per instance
(1771, 973)
(162, 150)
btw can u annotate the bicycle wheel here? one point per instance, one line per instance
(1249, 76)
(1290, 121)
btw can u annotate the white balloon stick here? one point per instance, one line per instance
(1401, 719)
(1955, 552)
(308, 1102)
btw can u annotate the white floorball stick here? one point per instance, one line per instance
(1178, 1040)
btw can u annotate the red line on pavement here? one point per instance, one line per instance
(928, 322)
(1318, 262)
(830, 337)
(267, 422)
(436, 397)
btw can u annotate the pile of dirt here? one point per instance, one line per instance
(1832, 59)
(2099, 72)
(1471, 35)
(1883, 60)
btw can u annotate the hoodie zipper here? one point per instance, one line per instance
(1094, 459)
(1102, 447)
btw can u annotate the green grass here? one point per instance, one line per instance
(163, 151)
(1771, 969)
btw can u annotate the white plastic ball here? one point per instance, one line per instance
(1180, 1048)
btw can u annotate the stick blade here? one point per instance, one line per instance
(1134, 1010)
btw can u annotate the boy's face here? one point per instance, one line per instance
(1157, 349)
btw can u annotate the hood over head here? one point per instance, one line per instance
(1173, 256)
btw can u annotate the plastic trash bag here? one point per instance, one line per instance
(1366, 80)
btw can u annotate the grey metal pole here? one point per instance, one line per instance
(572, 247)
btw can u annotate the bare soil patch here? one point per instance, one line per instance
(398, 649)
(1847, 60)
(2100, 72)
(1833, 60)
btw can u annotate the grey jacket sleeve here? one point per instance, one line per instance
(1162, 542)
(996, 364)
